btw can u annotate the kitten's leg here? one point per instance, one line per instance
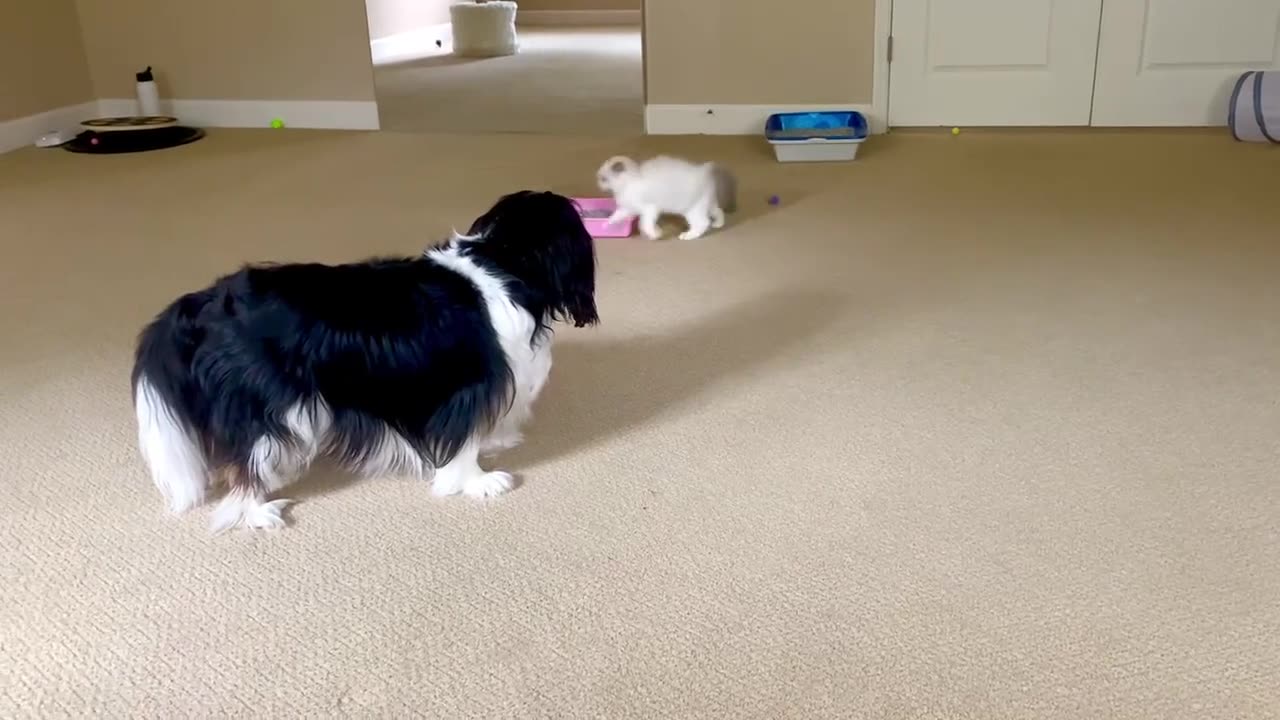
(649, 223)
(620, 215)
(699, 221)
(717, 217)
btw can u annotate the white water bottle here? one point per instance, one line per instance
(148, 94)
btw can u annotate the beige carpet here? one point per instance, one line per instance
(977, 427)
(570, 81)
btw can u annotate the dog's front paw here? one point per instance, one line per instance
(488, 485)
(268, 515)
(238, 511)
(444, 485)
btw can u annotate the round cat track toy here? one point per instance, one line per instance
(126, 123)
(130, 133)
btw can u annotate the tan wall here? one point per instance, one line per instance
(709, 51)
(231, 49)
(42, 61)
(582, 4)
(756, 52)
(391, 17)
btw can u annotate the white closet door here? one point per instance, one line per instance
(992, 62)
(1174, 62)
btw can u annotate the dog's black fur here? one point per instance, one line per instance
(405, 344)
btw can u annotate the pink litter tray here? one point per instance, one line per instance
(595, 215)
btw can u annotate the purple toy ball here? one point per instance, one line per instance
(774, 200)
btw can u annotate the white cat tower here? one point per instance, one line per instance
(483, 28)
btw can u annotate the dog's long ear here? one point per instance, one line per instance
(571, 254)
(540, 239)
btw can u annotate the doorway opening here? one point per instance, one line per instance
(578, 69)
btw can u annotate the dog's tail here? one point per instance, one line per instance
(726, 187)
(163, 390)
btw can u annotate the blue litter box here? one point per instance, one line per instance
(816, 136)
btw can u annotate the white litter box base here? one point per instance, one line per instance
(816, 150)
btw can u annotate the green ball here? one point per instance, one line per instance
(277, 123)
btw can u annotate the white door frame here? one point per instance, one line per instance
(880, 68)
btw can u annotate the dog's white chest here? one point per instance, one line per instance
(530, 363)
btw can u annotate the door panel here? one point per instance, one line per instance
(1174, 62)
(993, 62)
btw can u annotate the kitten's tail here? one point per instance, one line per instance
(726, 187)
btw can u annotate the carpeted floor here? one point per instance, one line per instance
(565, 81)
(976, 427)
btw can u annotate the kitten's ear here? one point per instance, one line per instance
(618, 166)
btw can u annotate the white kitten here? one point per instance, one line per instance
(701, 192)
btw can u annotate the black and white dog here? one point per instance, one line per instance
(412, 366)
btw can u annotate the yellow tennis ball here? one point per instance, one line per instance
(277, 123)
(955, 131)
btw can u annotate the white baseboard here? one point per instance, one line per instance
(577, 18)
(734, 119)
(417, 43)
(23, 131)
(309, 114)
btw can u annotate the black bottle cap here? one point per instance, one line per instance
(145, 75)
